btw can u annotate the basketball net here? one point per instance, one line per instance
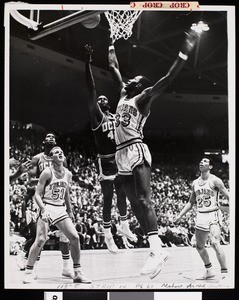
(121, 23)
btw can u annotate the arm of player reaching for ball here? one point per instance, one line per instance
(189, 43)
(24, 167)
(43, 180)
(96, 114)
(188, 206)
(114, 67)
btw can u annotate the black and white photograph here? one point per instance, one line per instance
(119, 145)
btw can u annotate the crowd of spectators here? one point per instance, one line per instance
(170, 185)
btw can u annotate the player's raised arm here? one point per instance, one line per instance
(190, 41)
(95, 111)
(24, 167)
(114, 67)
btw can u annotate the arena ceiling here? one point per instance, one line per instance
(155, 42)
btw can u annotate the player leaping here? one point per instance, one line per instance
(132, 155)
(103, 127)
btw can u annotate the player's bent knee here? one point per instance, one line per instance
(40, 241)
(74, 238)
(144, 201)
(63, 238)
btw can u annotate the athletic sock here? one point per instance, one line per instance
(107, 228)
(224, 270)
(208, 266)
(154, 241)
(29, 269)
(107, 232)
(77, 267)
(123, 219)
(65, 259)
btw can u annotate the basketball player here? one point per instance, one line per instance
(52, 197)
(132, 155)
(205, 192)
(39, 162)
(103, 126)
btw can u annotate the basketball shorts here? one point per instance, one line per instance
(206, 219)
(131, 156)
(58, 213)
(106, 166)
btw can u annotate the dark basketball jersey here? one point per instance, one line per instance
(104, 135)
(43, 162)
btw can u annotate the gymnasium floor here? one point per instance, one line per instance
(120, 271)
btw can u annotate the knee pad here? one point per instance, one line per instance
(63, 238)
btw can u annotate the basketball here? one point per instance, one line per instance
(92, 22)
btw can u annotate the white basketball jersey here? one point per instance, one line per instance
(129, 121)
(206, 194)
(55, 191)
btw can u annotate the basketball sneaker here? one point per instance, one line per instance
(111, 244)
(154, 263)
(21, 261)
(80, 277)
(67, 273)
(35, 274)
(28, 277)
(125, 231)
(208, 274)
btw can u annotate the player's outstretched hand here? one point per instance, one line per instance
(88, 53)
(24, 167)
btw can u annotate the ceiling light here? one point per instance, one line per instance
(199, 27)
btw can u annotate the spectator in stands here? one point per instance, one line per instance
(99, 237)
(15, 242)
(162, 234)
(82, 232)
(170, 185)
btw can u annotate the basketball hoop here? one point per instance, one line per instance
(121, 23)
(24, 21)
